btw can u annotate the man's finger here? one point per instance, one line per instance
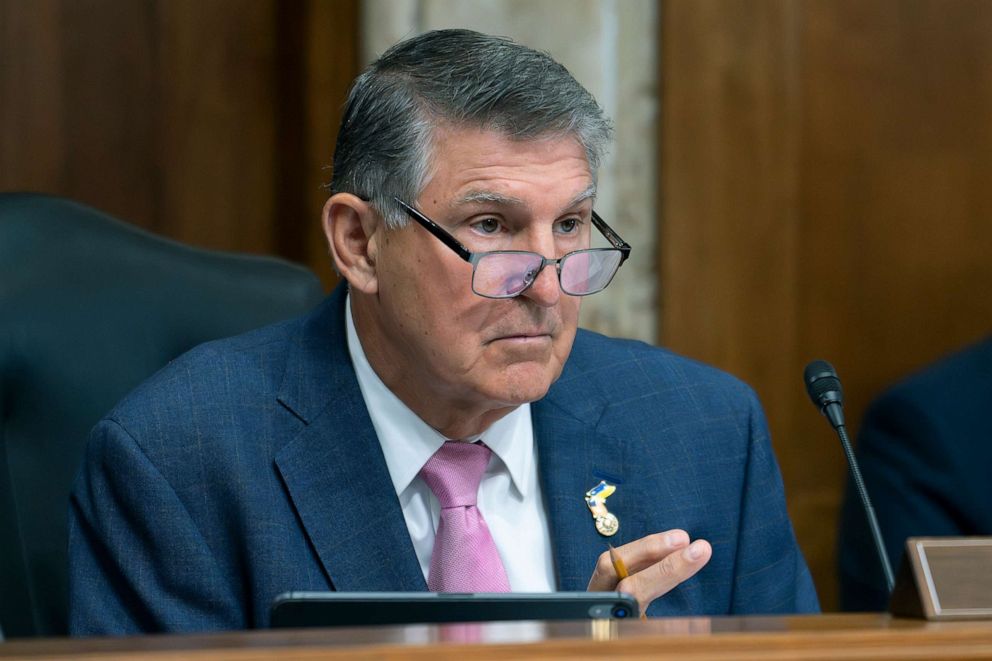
(662, 577)
(636, 556)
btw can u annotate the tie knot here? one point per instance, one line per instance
(453, 473)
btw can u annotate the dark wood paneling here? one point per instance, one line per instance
(826, 190)
(197, 120)
(331, 65)
(216, 118)
(31, 99)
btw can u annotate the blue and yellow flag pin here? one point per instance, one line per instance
(607, 523)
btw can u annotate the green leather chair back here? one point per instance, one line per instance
(89, 308)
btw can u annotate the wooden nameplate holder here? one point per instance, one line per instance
(945, 578)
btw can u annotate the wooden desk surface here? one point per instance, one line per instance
(861, 636)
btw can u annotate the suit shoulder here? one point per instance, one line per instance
(950, 391)
(214, 371)
(951, 377)
(946, 400)
(640, 365)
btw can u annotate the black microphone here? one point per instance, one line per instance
(823, 386)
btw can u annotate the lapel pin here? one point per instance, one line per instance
(607, 523)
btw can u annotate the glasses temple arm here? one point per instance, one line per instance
(435, 229)
(611, 236)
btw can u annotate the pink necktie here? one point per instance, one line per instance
(465, 557)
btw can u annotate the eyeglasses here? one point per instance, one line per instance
(509, 273)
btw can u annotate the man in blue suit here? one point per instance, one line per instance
(299, 456)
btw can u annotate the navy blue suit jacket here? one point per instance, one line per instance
(925, 449)
(250, 467)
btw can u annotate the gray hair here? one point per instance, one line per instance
(463, 78)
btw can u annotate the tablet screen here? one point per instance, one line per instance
(332, 609)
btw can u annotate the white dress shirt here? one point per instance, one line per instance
(510, 496)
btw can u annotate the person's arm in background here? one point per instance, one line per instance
(911, 467)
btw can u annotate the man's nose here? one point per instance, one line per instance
(545, 291)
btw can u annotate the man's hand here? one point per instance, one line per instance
(656, 563)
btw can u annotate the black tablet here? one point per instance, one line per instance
(338, 609)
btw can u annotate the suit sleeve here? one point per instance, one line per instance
(137, 562)
(770, 575)
(906, 462)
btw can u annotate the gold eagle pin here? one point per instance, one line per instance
(607, 523)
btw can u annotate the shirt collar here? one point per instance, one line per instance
(408, 442)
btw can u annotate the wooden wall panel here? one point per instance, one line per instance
(729, 186)
(825, 178)
(198, 120)
(330, 66)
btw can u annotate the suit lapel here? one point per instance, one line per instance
(334, 469)
(575, 452)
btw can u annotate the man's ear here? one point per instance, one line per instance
(352, 228)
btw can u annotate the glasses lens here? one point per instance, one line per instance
(505, 274)
(589, 271)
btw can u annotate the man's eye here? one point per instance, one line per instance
(487, 225)
(569, 226)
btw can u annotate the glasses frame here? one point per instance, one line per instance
(473, 258)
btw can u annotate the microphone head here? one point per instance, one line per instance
(823, 384)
